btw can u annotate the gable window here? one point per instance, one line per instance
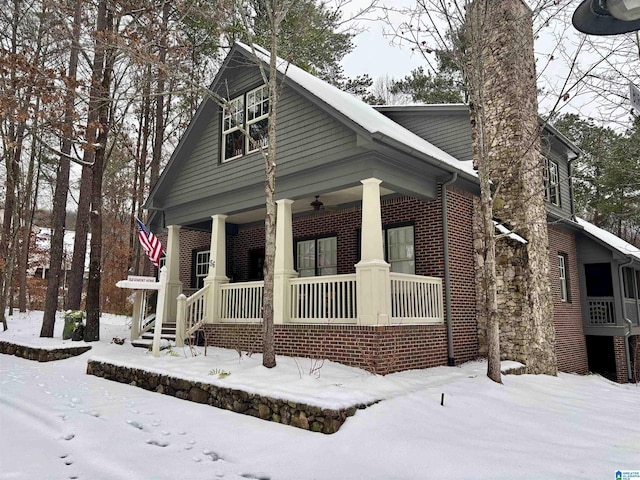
(317, 257)
(200, 268)
(562, 275)
(399, 249)
(551, 182)
(232, 136)
(257, 118)
(246, 113)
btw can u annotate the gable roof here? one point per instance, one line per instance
(463, 108)
(609, 240)
(360, 114)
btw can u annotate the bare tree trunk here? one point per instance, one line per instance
(276, 16)
(59, 213)
(160, 97)
(268, 352)
(57, 243)
(78, 261)
(144, 152)
(10, 226)
(30, 205)
(27, 224)
(11, 156)
(104, 25)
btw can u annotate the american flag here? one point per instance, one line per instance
(150, 243)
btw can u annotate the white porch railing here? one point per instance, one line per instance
(191, 314)
(326, 299)
(146, 324)
(330, 298)
(195, 310)
(241, 302)
(601, 311)
(416, 299)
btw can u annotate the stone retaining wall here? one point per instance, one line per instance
(298, 415)
(41, 354)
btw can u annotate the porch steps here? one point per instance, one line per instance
(146, 339)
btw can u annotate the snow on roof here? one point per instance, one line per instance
(610, 239)
(361, 113)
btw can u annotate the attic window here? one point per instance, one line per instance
(253, 119)
(257, 118)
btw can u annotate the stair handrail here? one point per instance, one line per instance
(191, 314)
(148, 323)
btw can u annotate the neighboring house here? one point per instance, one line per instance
(374, 266)
(39, 258)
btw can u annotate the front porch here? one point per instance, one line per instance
(357, 305)
(329, 299)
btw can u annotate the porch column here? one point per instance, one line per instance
(217, 267)
(283, 264)
(373, 283)
(174, 286)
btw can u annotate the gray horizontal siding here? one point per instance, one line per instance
(449, 132)
(564, 210)
(307, 139)
(452, 133)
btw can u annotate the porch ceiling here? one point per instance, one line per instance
(330, 200)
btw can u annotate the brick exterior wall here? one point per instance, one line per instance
(634, 347)
(621, 360)
(389, 349)
(571, 348)
(620, 354)
(378, 349)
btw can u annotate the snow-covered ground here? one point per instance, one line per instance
(56, 422)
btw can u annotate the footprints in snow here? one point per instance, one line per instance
(66, 458)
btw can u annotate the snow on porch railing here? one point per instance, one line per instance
(330, 298)
(241, 302)
(416, 299)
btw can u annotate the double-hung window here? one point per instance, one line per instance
(246, 113)
(562, 275)
(257, 118)
(232, 136)
(551, 182)
(317, 257)
(399, 246)
(200, 267)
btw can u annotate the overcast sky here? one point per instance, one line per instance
(555, 48)
(376, 56)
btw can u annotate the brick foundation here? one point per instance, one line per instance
(380, 350)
